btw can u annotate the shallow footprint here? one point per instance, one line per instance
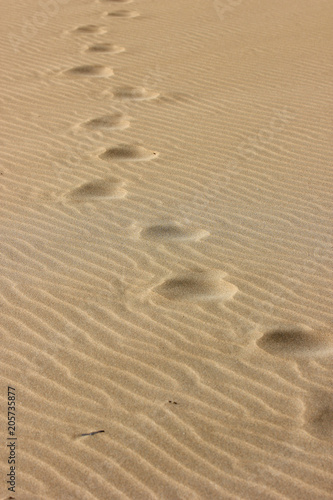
(291, 342)
(101, 188)
(135, 93)
(198, 286)
(90, 28)
(94, 70)
(106, 47)
(117, 121)
(128, 152)
(124, 13)
(172, 231)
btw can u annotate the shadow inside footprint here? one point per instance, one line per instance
(322, 421)
(135, 93)
(292, 342)
(171, 231)
(89, 28)
(163, 232)
(197, 286)
(96, 70)
(318, 415)
(128, 152)
(97, 189)
(115, 121)
(106, 47)
(124, 13)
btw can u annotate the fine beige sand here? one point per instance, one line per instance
(166, 249)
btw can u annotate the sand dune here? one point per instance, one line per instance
(166, 249)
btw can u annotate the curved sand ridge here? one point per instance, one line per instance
(106, 322)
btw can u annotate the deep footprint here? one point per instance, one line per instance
(106, 47)
(94, 70)
(198, 286)
(90, 28)
(294, 342)
(117, 121)
(97, 189)
(135, 93)
(171, 231)
(129, 152)
(124, 13)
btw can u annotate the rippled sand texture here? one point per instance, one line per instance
(166, 248)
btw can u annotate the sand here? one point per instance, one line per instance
(166, 249)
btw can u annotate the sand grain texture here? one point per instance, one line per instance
(166, 248)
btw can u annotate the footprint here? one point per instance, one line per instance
(172, 231)
(129, 152)
(117, 121)
(291, 342)
(198, 286)
(95, 70)
(135, 93)
(98, 189)
(124, 13)
(318, 415)
(90, 28)
(106, 47)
